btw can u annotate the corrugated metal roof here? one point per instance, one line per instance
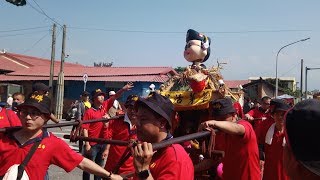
(95, 71)
(34, 61)
(16, 62)
(9, 64)
(33, 68)
(235, 83)
(141, 78)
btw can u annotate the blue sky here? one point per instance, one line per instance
(245, 34)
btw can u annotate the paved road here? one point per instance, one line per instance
(55, 172)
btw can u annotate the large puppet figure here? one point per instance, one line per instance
(197, 51)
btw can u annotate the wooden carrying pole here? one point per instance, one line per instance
(100, 140)
(155, 146)
(68, 123)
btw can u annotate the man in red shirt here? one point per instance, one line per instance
(99, 109)
(15, 145)
(154, 115)
(241, 159)
(8, 118)
(301, 152)
(42, 89)
(272, 136)
(259, 114)
(125, 130)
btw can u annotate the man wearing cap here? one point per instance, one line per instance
(125, 130)
(301, 153)
(116, 107)
(154, 115)
(259, 114)
(272, 136)
(42, 89)
(15, 145)
(241, 159)
(83, 105)
(99, 109)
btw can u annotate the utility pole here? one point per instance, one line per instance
(306, 87)
(53, 54)
(301, 79)
(60, 83)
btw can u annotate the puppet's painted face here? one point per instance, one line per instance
(194, 52)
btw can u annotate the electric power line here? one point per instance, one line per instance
(24, 29)
(261, 31)
(180, 32)
(36, 43)
(42, 12)
(294, 66)
(21, 34)
(39, 6)
(49, 48)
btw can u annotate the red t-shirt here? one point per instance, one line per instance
(51, 150)
(262, 130)
(237, 106)
(273, 166)
(220, 141)
(256, 113)
(119, 130)
(241, 159)
(13, 120)
(172, 163)
(97, 129)
(107, 104)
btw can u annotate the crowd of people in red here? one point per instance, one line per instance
(272, 141)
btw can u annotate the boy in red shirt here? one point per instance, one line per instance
(14, 146)
(272, 136)
(125, 130)
(154, 115)
(241, 159)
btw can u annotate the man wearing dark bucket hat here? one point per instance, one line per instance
(154, 116)
(301, 153)
(241, 159)
(272, 137)
(15, 145)
(121, 129)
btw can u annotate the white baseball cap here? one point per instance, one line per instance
(111, 93)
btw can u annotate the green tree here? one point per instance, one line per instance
(102, 64)
(180, 69)
(283, 86)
